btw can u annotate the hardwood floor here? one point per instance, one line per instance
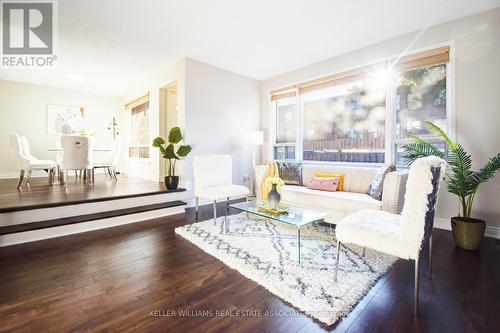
(128, 279)
(39, 194)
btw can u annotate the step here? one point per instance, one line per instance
(87, 217)
(58, 227)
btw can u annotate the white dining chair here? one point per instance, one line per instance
(213, 180)
(403, 235)
(26, 162)
(77, 155)
(109, 165)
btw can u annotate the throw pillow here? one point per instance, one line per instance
(332, 175)
(324, 184)
(291, 173)
(377, 186)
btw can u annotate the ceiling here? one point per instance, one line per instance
(114, 46)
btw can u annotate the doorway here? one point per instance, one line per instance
(168, 117)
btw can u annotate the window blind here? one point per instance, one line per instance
(427, 58)
(138, 101)
(288, 91)
(412, 61)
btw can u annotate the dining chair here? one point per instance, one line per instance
(26, 162)
(109, 165)
(77, 155)
(213, 180)
(403, 235)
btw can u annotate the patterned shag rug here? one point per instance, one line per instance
(266, 252)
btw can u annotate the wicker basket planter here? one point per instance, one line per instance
(468, 232)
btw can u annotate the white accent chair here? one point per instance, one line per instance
(77, 155)
(26, 162)
(213, 180)
(110, 164)
(403, 235)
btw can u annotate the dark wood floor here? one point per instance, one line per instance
(115, 279)
(40, 194)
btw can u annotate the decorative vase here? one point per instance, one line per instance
(468, 233)
(274, 198)
(171, 182)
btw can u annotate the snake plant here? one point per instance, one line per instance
(460, 178)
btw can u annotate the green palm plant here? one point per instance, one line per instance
(460, 178)
(169, 152)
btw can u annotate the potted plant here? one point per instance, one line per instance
(462, 181)
(171, 154)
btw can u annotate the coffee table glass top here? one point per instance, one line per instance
(296, 216)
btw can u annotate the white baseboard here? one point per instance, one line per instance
(493, 232)
(35, 235)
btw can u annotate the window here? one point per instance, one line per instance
(286, 128)
(364, 115)
(345, 123)
(420, 96)
(139, 139)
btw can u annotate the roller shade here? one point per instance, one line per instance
(138, 101)
(289, 91)
(427, 58)
(412, 61)
(332, 80)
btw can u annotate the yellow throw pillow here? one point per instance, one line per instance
(332, 175)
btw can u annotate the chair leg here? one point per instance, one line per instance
(28, 177)
(196, 202)
(21, 177)
(337, 259)
(227, 205)
(114, 174)
(415, 306)
(215, 212)
(92, 175)
(430, 257)
(51, 176)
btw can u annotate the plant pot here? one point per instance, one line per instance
(468, 232)
(171, 182)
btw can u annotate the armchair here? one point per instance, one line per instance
(402, 235)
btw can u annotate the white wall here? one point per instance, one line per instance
(215, 108)
(23, 110)
(221, 107)
(150, 169)
(477, 97)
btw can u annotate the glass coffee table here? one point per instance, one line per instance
(295, 216)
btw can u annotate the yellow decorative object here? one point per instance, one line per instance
(266, 209)
(265, 187)
(332, 175)
(275, 181)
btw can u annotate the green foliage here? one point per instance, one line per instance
(461, 179)
(175, 135)
(183, 151)
(168, 152)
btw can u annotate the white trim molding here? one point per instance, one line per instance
(65, 230)
(492, 232)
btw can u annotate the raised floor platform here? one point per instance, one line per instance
(39, 194)
(43, 211)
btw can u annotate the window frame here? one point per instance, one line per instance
(391, 141)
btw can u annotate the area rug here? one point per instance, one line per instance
(266, 252)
